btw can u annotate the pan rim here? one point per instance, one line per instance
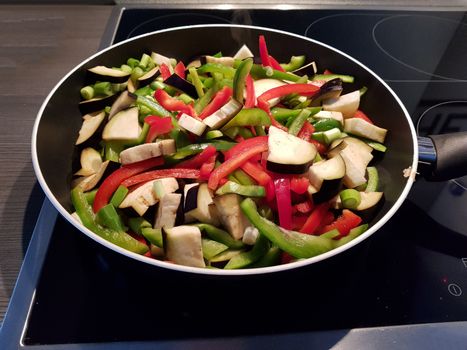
(203, 271)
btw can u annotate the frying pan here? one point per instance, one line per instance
(59, 120)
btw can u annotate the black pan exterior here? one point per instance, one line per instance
(60, 120)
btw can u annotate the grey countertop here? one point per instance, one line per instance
(38, 45)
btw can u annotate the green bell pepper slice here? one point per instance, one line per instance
(248, 117)
(258, 71)
(87, 217)
(244, 190)
(107, 216)
(297, 244)
(244, 259)
(212, 248)
(240, 77)
(294, 63)
(297, 123)
(219, 235)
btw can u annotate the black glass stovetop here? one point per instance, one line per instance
(412, 273)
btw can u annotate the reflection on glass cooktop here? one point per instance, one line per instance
(414, 270)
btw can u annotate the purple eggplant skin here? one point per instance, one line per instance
(96, 104)
(330, 89)
(287, 168)
(181, 84)
(328, 190)
(191, 199)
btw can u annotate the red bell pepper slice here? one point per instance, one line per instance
(157, 126)
(298, 221)
(245, 145)
(111, 182)
(159, 174)
(275, 65)
(172, 104)
(279, 91)
(304, 207)
(344, 223)
(306, 131)
(180, 69)
(283, 90)
(299, 184)
(207, 168)
(263, 52)
(361, 115)
(320, 147)
(197, 161)
(257, 173)
(220, 99)
(327, 72)
(235, 162)
(165, 71)
(315, 218)
(284, 202)
(250, 100)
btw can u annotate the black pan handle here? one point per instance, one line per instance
(443, 157)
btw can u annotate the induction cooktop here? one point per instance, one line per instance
(405, 287)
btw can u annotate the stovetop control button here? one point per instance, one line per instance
(464, 261)
(455, 290)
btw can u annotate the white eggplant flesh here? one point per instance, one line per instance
(168, 184)
(263, 85)
(90, 160)
(250, 235)
(87, 183)
(285, 148)
(223, 114)
(123, 101)
(91, 123)
(347, 104)
(191, 124)
(167, 211)
(108, 72)
(161, 59)
(183, 246)
(243, 52)
(330, 115)
(141, 198)
(146, 151)
(363, 150)
(204, 210)
(231, 215)
(355, 168)
(123, 126)
(360, 127)
(330, 169)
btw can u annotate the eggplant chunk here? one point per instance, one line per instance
(224, 114)
(288, 153)
(191, 124)
(167, 211)
(183, 245)
(243, 52)
(103, 73)
(140, 199)
(123, 101)
(360, 127)
(123, 126)
(330, 169)
(204, 211)
(87, 183)
(231, 215)
(91, 123)
(146, 151)
(90, 160)
(346, 104)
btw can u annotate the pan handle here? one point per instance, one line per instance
(443, 157)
